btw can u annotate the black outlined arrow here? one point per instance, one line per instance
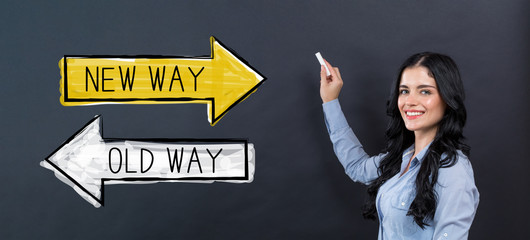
(87, 161)
(221, 80)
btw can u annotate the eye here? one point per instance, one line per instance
(425, 92)
(403, 91)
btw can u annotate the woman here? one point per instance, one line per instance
(422, 186)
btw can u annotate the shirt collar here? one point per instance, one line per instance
(410, 151)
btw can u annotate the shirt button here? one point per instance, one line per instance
(445, 234)
(402, 203)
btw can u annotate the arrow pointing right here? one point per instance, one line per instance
(87, 162)
(222, 80)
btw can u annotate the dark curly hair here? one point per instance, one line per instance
(448, 140)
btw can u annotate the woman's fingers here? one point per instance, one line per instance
(330, 86)
(330, 68)
(337, 72)
(323, 77)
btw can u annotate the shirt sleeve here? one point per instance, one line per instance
(357, 164)
(458, 199)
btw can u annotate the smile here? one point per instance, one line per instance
(413, 114)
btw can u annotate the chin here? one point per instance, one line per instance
(412, 128)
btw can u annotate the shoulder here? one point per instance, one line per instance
(458, 176)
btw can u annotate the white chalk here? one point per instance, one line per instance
(321, 60)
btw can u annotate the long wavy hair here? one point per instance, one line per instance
(448, 140)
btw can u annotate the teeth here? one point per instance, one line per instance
(414, 113)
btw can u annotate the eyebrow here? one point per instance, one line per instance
(420, 86)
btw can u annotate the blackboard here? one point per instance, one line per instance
(299, 190)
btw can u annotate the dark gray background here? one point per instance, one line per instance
(300, 190)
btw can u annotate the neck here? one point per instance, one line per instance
(422, 139)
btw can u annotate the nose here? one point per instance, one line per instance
(411, 99)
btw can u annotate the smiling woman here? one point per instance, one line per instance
(422, 185)
(420, 105)
(419, 102)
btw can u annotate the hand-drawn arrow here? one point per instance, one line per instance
(221, 80)
(87, 162)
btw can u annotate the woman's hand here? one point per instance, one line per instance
(329, 85)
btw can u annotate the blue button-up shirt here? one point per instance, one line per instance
(457, 195)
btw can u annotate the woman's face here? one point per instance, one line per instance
(419, 101)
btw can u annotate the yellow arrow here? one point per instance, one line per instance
(221, 80)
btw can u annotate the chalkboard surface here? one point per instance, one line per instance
(299, 189)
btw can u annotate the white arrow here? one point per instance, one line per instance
(87, 162)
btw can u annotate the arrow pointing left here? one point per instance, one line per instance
(87, 161)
